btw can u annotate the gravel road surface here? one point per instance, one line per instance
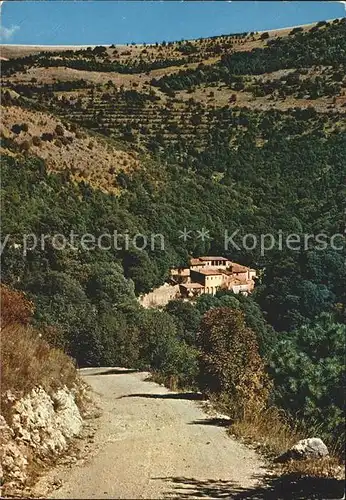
(153, 443)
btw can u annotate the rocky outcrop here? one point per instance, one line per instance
(13, 459)
(160, 296)
(39, 427)
(306, 448)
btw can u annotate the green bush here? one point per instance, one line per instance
(156, 330)
(25, 146)
(46, 136)
(162, 351)
(16, 128)
(179, 365)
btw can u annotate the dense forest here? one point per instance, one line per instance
(235, 169)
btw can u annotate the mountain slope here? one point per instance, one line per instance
(64, 147)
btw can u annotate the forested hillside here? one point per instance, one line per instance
(248, 138)
(322, 45)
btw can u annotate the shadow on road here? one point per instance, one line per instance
(287, 487)
(112, 371)
(219, 422)
(170, 395)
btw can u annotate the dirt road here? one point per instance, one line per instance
(153, 443)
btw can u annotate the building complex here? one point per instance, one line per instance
(210, 274)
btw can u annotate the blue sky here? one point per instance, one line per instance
(54, 22)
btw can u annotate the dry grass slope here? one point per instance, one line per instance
(27, 360)
(64, 147)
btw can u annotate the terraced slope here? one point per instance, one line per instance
(88, 157)
(182, 99)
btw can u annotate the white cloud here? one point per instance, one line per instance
(6, 33)
(343, 3)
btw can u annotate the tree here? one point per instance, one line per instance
(107, 287)
(307, 366)
(187, 318)
(162, 351)
(59, 130)
(253, 315)
(230, 363)
(16, 128)
(61, 302)
(141, 269)
(156, 329)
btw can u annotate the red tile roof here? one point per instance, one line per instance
(196, 262)
(213, 258)
(238, 268)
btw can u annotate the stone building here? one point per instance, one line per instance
(210, 274)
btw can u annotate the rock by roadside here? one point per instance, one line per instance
(311, 448)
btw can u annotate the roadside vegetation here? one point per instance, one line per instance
(27, 359)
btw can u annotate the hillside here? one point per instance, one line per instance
(165, 96)
(64, 146)
(174, 147)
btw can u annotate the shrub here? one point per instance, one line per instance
(46, 136)
(230, 362)
(15, 307)
(187, 319)
(59, 131)
(16, 128)
(65, 140)
(162, 351)
(296, 30)
(26, 359)
(179, 366)
(6, 99)
(37, 141)
(25, 146)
